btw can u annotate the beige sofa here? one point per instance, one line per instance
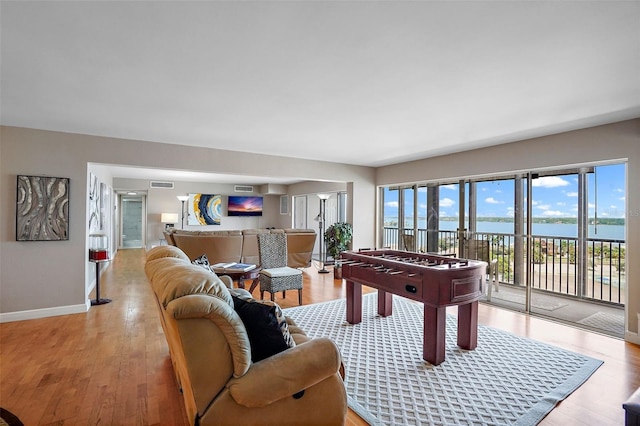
(212, 355)
(242, 245)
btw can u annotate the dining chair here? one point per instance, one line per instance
(275, 275)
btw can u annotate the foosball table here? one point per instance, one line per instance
(437, 281)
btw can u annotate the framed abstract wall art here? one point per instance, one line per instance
(204, 209)
(42, 208)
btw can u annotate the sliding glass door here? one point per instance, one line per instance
(551, 238)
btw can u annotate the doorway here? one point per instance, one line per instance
(132, 221)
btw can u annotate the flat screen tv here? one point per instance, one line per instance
(244, 206)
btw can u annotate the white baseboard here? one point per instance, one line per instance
(44, 313)
(632, 337)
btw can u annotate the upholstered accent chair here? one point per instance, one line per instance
(275, 275)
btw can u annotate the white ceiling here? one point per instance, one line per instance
(365, 82)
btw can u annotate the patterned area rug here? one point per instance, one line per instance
(505, 380)
(605, 321)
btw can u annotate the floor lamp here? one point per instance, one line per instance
(321, 219)
(183, 198)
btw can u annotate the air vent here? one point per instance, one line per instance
(160, 185)
(243, 188)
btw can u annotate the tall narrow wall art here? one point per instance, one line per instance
(94, 203)
(42, 208)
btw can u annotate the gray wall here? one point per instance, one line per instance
(50, 278)
(165, 201)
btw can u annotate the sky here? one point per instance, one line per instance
(553, 196)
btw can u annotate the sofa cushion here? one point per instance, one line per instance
(250, 253)
(172, 278)
(285, 271)
(160, 252)
(266, 326)
(218, 247)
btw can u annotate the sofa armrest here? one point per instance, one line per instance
(286, 373)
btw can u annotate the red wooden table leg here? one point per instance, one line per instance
(468, 325)
(354, 302)
(435, 320)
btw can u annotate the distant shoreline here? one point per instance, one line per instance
(618, 221)
(608, 228)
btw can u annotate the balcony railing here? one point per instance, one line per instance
(556, 265)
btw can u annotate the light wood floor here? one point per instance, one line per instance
(111, 365)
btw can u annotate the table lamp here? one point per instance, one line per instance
(169, 220)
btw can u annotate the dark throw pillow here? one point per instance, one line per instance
(202, 261)
(266, 327)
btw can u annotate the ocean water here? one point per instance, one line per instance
(605, 232)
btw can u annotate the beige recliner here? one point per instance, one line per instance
(211, 353)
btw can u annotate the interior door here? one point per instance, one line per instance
(132, 220)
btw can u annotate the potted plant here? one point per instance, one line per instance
(338, 238)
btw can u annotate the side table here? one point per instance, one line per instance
(242, 276)
(98, 300)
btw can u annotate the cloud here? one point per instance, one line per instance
(572, 194)
(543, 207)
(393, 204)
(450, 186)
(549, 182)
(492, 200)
(613, 211)
(553, 213)
(447, 202)
(560, 203)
